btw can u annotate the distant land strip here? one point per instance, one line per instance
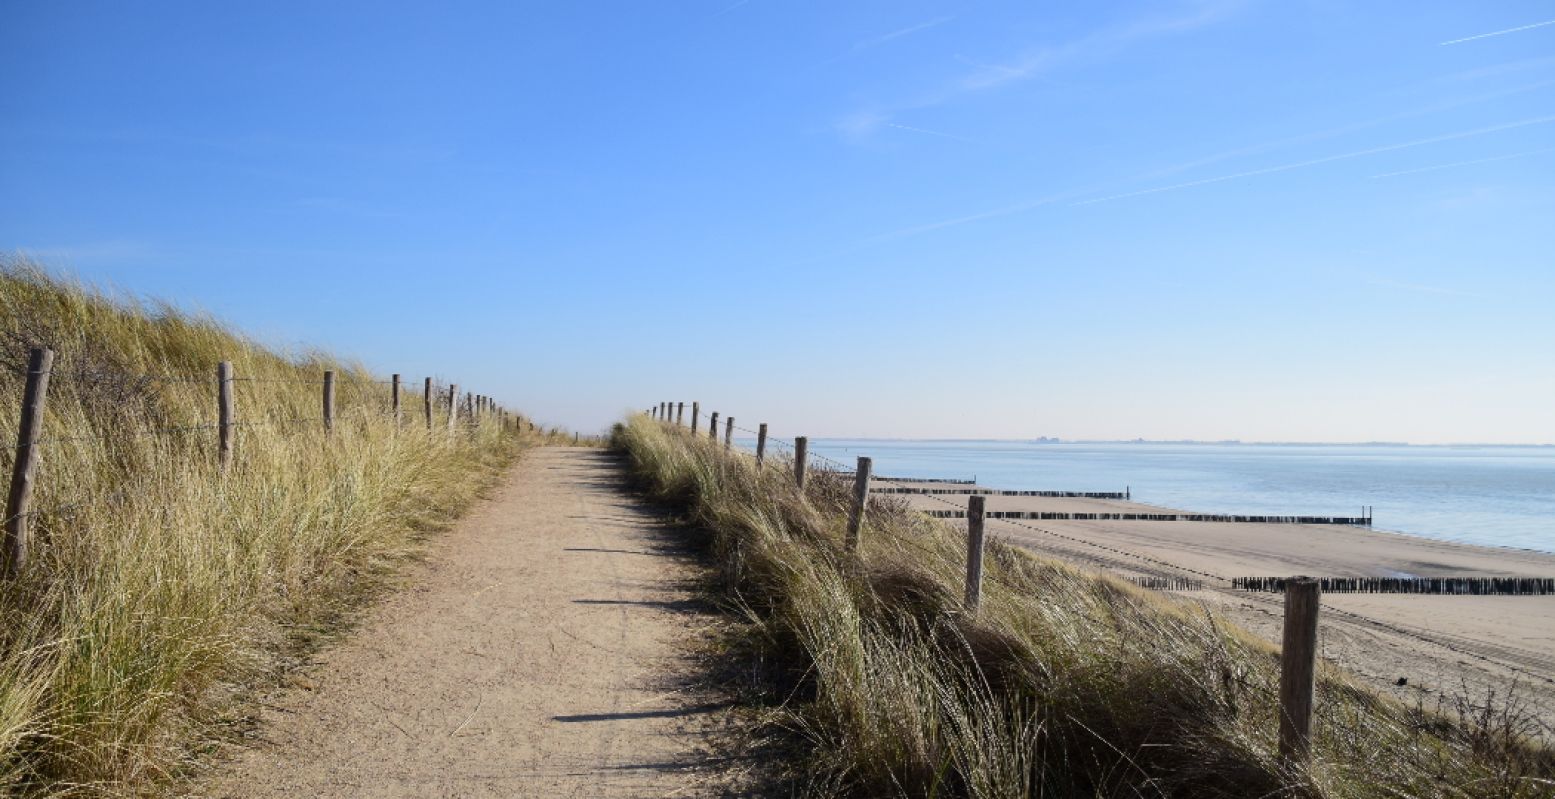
(1056, 516)
(1467, 586)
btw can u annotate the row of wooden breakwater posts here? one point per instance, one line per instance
(1461, 586)
(1298, 653)
(473, 410)
(1362, 521)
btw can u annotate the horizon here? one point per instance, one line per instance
(1194, 221)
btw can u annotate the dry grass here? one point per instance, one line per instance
(159, 590)
(1066, 683)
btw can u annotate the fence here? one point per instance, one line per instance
(1298, 659)
(476, 409)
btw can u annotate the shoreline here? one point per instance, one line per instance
(1440, 645)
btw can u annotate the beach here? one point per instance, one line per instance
(1441, 647)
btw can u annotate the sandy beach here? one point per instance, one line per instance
(1441, 647)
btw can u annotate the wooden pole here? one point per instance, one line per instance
(1298, 668)
(680, 414)
(696, 410)
(426, 401)
(329, 401)
(18, 503)
(394, 394)
(974, 551)
(860, 502)
(729, 433)
(801, 451)
(453, 405)
(712, 426)
(225, 423)
(761, 444)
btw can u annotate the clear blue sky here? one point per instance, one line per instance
(1261, 220)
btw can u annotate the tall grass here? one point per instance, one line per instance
(159, 589)
(1065, 683)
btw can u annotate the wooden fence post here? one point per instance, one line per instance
(426, 401)
(18, 503)
(712, 426)
(453, 405)
(680, 414)
(329, 401)
(860, 502)
(224, 408)
(761, 444)
(394, 394)
(1298, 668)
(696, 410)
(974, 551)
(801, 452)
(729, 433)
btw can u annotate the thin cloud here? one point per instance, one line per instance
(1324, 160)
(1098, 45)
(1499, 33)
(727, 9)
(897, 34)
(928, 132)
(1464, 163)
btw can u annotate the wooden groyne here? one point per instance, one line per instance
(1467, 586)
(1057, 516)
(946, 480)
(994, 492)
(1168, 583)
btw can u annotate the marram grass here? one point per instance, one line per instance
(1065, 684)
(160, 591)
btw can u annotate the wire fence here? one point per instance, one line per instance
(436, 398)
(1178, 577)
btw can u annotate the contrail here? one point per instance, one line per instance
(1502, 33)
(1326, 159)
(1463, 163)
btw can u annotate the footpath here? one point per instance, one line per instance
(539, 651)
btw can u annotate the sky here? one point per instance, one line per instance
(1305, 220)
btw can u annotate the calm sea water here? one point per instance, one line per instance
(1498, 496)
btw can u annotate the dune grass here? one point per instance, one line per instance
(160, 591)
(1065, 683)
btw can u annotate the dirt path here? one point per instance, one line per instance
(539, 652)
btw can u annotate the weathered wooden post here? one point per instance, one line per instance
(18, 503)
(329, 401)
(761, 444)
(860, 502)
(224, 421)
(729, 433)
(974, 551)
(696, 410)
(712, 426)
(426, 401)
(1298, 669)
(801, 453)
(680, 414)
(394, 398)
(453, 405)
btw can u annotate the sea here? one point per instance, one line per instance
(1488, 495)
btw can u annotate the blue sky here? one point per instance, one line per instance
(1318, 221)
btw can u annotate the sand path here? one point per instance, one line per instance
(539, 651)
